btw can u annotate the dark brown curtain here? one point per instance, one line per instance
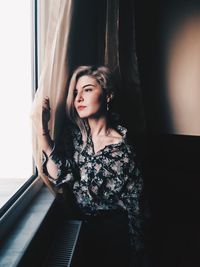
(103, 32)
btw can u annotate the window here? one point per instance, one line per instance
(15, 96)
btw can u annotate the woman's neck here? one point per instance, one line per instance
(99, 127)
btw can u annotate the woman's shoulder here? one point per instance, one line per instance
(71, 136)
(127, 138)
(74, 130)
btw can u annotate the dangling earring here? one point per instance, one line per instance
(108, 107)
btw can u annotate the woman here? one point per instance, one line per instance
(101, 171)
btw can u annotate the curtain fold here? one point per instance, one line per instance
(111, 58)
(130, 91)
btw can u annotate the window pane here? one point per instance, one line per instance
(15, 95)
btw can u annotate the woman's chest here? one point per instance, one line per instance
(109, 163)
(98, 143)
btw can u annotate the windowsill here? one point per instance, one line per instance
(20, 237)
(8, 188)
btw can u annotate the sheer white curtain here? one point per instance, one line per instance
(54, 71)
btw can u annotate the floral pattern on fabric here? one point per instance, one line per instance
(106, 180)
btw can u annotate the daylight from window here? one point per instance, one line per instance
(15, 96)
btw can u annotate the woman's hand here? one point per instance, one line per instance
(45, 113)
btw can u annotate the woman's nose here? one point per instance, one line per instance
(79, 97)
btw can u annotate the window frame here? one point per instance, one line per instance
(28, 190)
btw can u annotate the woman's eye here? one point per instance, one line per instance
(88, 89)
(75, 93)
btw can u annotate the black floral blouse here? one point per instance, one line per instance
(107, 180)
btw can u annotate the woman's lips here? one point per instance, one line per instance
(81, 107)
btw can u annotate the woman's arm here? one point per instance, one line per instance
(135, 200)
(47, 143)
(56, 165)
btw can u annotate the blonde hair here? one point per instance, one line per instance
(103, 76)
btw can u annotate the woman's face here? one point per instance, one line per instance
(89, 98)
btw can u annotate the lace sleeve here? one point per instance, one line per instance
(62, 157)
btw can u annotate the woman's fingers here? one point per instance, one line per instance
(46, 104)
(45, 112)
